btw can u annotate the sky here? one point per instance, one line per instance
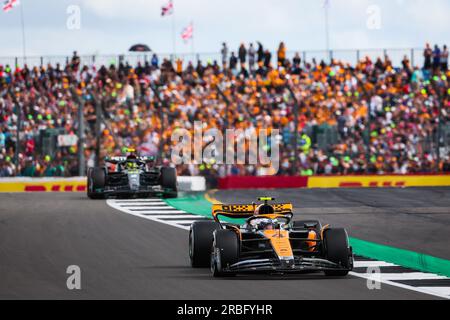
(112, 26)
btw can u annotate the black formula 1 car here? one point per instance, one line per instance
(132, 176)
(268, 242)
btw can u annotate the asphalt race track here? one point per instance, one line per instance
(126, 257)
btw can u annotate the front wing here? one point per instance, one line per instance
(125, 191)
(273, 265)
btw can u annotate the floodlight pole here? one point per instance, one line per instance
(98, 134)
(161, 103)
(227, 107)
(24, 47)
(18, 128)
(326, 6)
(81, 160)
(296, 135)
(439, 129)
(225, 124)
(174, 40)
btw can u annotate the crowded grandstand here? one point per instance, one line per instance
(353, 118)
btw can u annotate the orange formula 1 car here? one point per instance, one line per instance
(268, 242)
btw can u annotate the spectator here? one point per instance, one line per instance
(267, 58)
(224, 53)
(427, 54)
(75, 63)
(251, 57)
(444, 59)
(281, 54)
(242, 53)
(155, 61)
(436, 58)
(233, 61)
(260, 52)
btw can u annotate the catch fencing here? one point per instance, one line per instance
(352, 56)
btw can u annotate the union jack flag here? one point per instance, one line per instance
(167, 9)
(10, 4)
(188, 32)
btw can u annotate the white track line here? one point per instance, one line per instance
(174, 212)
(406, 276)
(385, 278)
(178, 217)
(115, 205)
(140, 204)
(441, 291)
(369, 264)
(425, 290)
(139, 201)
(147, 208)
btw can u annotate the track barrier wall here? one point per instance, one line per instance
(350, 181)
(244, 182)
(78, 184)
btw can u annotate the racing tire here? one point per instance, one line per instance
(169, 181)
(96, 180)
(337, 250)
(200, 241)
(225, 252)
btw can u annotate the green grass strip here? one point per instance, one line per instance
(405, 258)
(197, 204)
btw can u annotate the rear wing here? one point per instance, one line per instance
(116, 160)
(239, 211)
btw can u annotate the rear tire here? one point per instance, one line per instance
(200, 242)
(337, 250)
(169, 179)
(225, 252)
(96, 180)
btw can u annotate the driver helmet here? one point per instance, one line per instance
(131, 154)
(264, 209)
(131, 165)
(263, 224)
(266, 225)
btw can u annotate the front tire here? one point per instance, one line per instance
(225, 252)
(96, 181)
(337, 250)
(200, 242)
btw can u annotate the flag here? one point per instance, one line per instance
(167, 10)
(326, 3)
(10, 4)
(188, 32)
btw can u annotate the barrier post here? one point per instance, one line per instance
(18, 129)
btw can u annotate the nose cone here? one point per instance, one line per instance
(133, 179)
